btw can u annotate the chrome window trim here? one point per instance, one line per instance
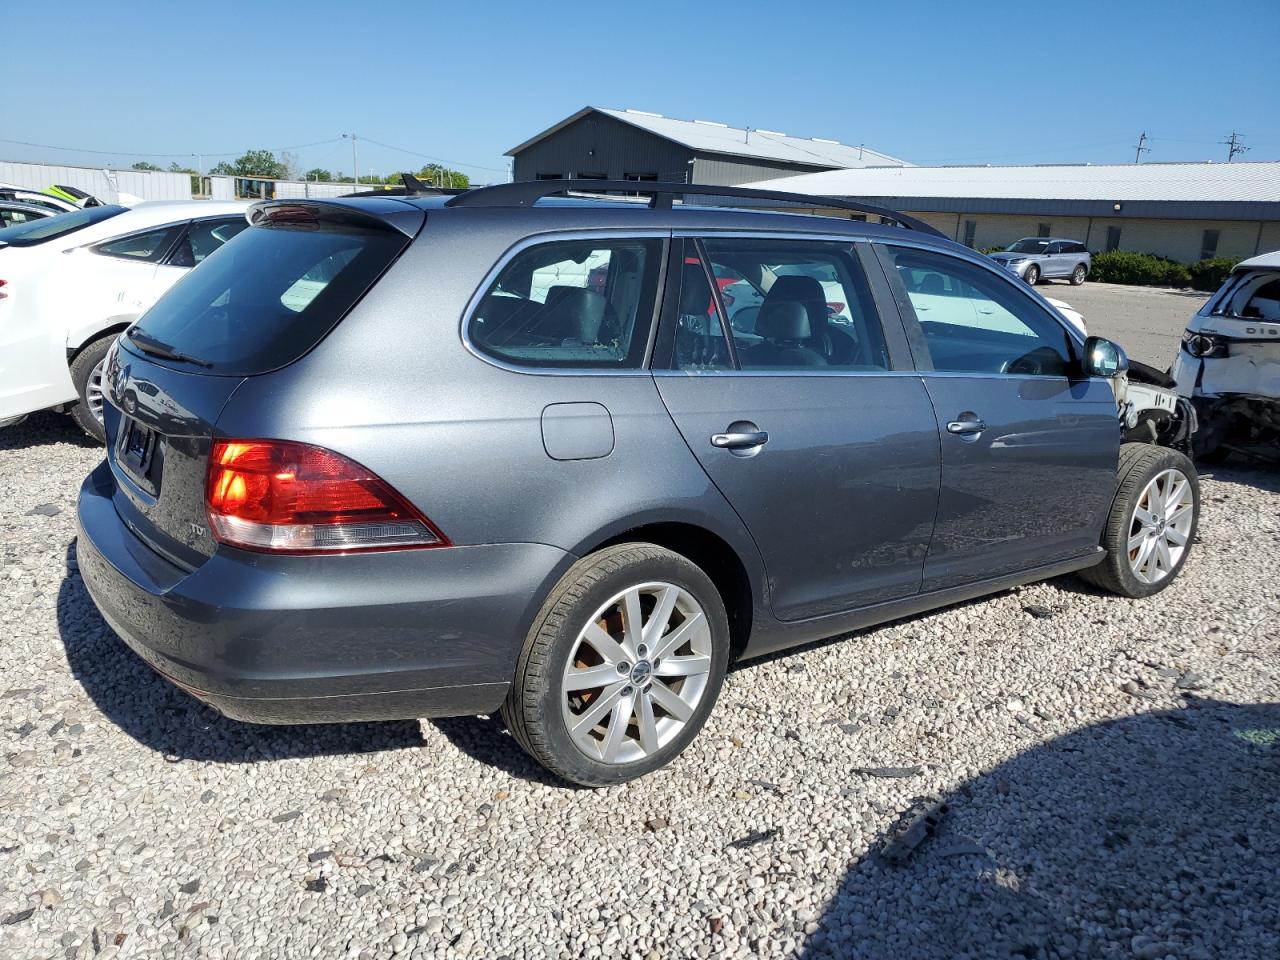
(554, 236)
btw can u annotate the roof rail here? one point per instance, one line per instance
(526, 193)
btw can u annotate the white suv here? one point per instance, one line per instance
(71, 283)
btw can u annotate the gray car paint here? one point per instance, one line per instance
(395, 387)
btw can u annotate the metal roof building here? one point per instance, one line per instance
(603, 143)
(1185, 211)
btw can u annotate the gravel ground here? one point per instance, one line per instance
(1108, 774)
(1146, 321)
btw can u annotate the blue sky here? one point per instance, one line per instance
(1042, 81)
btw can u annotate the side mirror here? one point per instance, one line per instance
(1102, 358)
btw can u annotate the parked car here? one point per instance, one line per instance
(62, 312)
(1228, 364)
(365, 464)
(14, 212)
(1045, 258)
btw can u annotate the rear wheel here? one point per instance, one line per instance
(1033, 275)
(86, 376)
(621, 667)
(1078, 275)
(1152, 523)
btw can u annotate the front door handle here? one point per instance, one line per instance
(967, 424)
(739, 439)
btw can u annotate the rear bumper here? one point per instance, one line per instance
(377, 636)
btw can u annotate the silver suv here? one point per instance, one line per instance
(1046, 258)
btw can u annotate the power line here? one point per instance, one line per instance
(427, 156)
(136, 153)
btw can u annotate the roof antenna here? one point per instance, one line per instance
(413, 184)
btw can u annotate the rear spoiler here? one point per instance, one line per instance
(375, 213)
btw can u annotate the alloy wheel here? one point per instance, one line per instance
(637, 672)
(93, 390)
(1161, 526)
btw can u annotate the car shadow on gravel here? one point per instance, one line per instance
(1150, 836)
(45, 429)
(160, 716)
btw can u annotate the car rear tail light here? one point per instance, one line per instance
(278, 496)
(3, 293)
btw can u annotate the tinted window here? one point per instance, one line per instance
(700, 342)
(204, 237)
(271, 294)
(797, 304)
(10, 216)
(59, 225)
(975, 321)
(571, 303)
(150, 245)
(1028, 245)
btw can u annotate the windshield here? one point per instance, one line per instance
(59, 225)
(1028, 245)
(267, 296)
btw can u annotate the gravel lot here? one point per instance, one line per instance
(1146, 321)
(1110, 772)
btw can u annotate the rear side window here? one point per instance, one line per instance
(571, 303)
(271, 294)
(50, 228)
(148, 246)
(204, 237)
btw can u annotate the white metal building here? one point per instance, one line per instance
(103, 182)
(1184, 211)
(261, 188)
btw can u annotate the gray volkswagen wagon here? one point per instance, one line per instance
(565, 458)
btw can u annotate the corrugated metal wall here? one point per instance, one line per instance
(103, 183)
(224, 188)
(600, 144)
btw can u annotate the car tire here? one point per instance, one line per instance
(626, 726)
(1033, 275)
(86, 376)
(1157, 503)
(1078, 274)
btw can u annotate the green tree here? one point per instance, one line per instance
(254, 163)
(143, 165)
(318, 173)
(176, 167)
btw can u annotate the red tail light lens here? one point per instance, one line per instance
(283, 497)
(3, 284)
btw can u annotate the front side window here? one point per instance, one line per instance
(797, 304)
(143, 247)
(571, 303)
(976, 321)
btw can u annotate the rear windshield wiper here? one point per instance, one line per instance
(157, 348)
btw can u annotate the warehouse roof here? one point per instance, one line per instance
(1152, 182)
(705, 136)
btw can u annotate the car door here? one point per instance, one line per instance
(809, 429)
(1055, 260)
(1029, 446)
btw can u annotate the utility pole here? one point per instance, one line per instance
(355, 167)
(1141, 148)
(1233, 146)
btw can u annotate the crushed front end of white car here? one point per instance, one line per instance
(1228, 364)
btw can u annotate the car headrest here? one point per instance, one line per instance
(933, 284)
(695, 291)
(805, 291)
(783, 320)
(572, 313)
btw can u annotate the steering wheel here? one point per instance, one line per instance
(1042, 361)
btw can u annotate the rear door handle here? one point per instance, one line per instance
(967, 425)
(738, 440)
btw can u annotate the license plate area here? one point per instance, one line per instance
(139, 453)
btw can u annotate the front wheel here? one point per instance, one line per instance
(1152, 522)
(86, 376)
(1078, 275)
(621, 667)
(1033, 275)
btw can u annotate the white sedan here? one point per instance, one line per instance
(69, 284)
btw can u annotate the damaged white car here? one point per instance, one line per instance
(1229, 364)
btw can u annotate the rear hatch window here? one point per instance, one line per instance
(35, 232)
(268, 295)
